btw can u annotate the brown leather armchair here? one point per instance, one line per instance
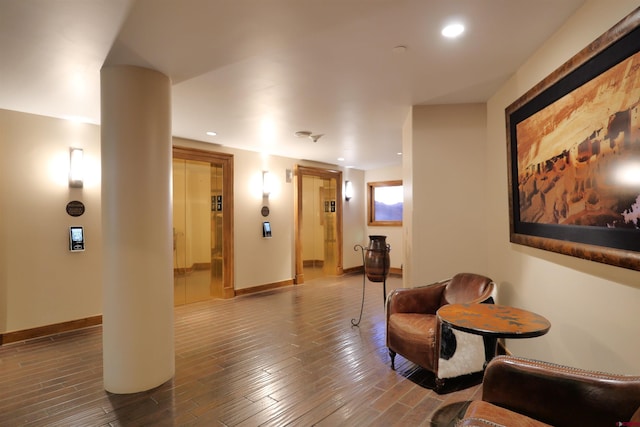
(414, 331)
(523, 392)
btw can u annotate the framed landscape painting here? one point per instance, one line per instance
(574, 154)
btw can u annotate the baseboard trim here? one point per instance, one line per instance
(360, 270)
(42, 331)
(353, 270)
(262, 288)
(56, 328)
(395, 271)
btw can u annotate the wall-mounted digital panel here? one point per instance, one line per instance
(76, 239)
(266, 229)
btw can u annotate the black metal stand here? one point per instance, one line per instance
(384, 290)
(364, 278)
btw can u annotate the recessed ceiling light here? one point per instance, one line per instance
(452, 31)
(399, 153)
(211, 133)
(341, 159)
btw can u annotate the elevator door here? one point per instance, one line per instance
(198, 209)
(319, 227)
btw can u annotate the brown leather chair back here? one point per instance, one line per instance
(467, 287)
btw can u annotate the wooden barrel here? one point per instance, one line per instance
(376, 260)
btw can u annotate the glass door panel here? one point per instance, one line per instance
(179, 237)
(197, 219)
(318, 227)
(217, 209)
(328, 191)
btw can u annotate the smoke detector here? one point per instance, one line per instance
(308, 134)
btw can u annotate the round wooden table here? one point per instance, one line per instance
(493, 321)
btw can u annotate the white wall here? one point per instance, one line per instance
(353, 223)
(407, 203)
(394, 234)
(41, 282)
(260, 261)
(447, 233)
(593, 308)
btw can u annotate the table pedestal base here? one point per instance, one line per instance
(490, 348)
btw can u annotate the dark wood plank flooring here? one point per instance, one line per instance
(284, 357)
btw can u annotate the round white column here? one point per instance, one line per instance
(137, 321)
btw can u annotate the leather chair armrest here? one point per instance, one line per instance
(560, 395)
(423, 299)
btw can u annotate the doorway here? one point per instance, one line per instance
(202, 225)
(318, 223)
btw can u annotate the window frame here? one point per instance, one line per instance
(371, 209)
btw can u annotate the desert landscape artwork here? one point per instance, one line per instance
(573, 143)
(579, 158)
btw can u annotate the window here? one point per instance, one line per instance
(385, 203)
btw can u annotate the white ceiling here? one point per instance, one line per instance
(257, 71)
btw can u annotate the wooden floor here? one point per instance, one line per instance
(283, 357)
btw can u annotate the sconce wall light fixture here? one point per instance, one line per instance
(348, 190)
(266, 183)
(76, 167)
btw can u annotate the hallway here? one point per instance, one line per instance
(284, 357)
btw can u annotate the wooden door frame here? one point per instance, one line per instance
(226, 160)
(299, 172)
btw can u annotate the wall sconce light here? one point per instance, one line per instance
(75, 167)
(348, 190)
(266, 183)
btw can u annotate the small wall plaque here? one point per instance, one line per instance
(75, 208)
(265, 211)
